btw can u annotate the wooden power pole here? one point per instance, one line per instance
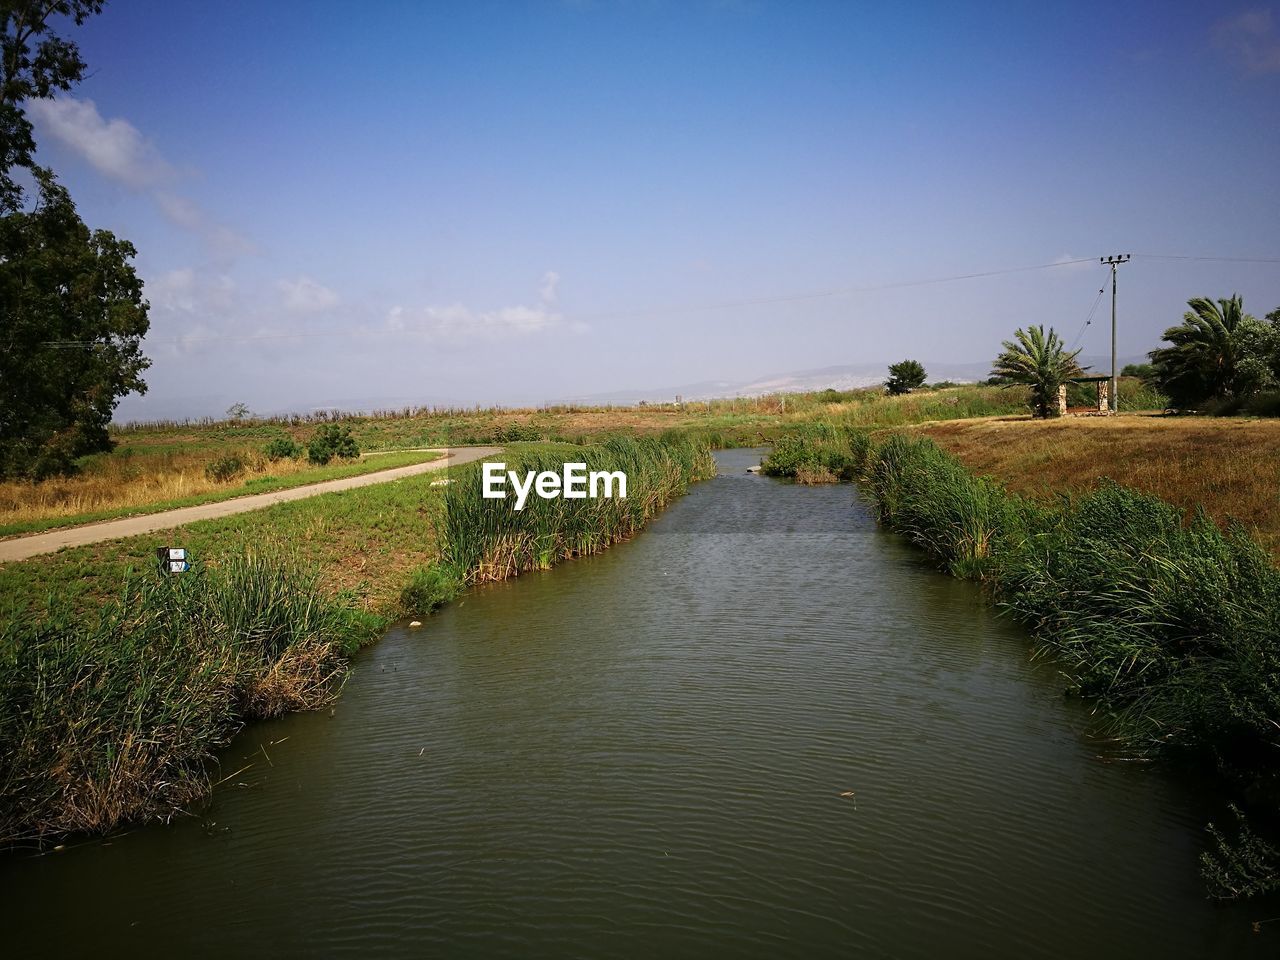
(1115, 261)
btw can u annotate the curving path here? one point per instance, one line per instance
(20, 548)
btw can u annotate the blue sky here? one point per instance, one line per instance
(520, 202)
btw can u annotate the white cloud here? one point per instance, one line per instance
(115, 148)
(1251, 39)
(305, 295)
(119, 151)
(188, 305)
(549, 290)
(457, 323)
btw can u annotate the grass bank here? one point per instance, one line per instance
(118, 685)
(116, 719)
(111, 486)
(1228, 467)
(1169, 622)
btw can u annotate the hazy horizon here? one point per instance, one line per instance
(502, 203)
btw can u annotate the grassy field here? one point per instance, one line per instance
(1230, 467)
(126, 483)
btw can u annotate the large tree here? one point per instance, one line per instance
(905, 377)
(1217, 353)
(1041, 361)
(70, 343)
(71, 309)
(34, 62)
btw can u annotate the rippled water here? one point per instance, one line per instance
(647, 754)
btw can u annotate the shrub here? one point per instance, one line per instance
(332, 440)
(224, 469)
(430, 588)
(517, 433)
(282, 448)
(818, 453)
(904, 377)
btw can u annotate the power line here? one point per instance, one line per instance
(1088, 319)
(679, 309)
(1169, 256)
(656, 311)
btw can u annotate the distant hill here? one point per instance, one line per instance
(845, 377)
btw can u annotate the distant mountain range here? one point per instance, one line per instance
(846, 377)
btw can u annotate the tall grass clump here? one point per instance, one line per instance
(818, 452)
(488, 539)
(117, 717)
(967, 523)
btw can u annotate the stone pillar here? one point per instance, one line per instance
(1104, 392)
(1062, 400)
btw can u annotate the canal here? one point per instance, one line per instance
(763, 728)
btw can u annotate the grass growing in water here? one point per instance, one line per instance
(489, 540)
(116, 718)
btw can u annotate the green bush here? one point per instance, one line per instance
(332, 440)
(224, 469)
(430, 588)
(282, 448)
(818, 449)
(517, 433)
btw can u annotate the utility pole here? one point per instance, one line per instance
(1115, 261)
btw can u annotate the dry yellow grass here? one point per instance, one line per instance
(115, 482)
(1231, 467)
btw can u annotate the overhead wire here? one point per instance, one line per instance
(676, 309)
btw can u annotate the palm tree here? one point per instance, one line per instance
(1039, 360)
(1206, 352)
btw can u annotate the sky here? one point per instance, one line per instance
(397, 203)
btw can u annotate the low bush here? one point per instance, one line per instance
(224, 468)
(430, 588)
(820, 452)
(332, 440)
(282, 448)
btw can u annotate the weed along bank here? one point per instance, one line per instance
(573, 482)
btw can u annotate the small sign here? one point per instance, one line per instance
(173, 559)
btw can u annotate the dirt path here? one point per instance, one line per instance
(20, 548)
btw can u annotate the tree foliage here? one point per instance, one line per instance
(905, 377)
(1217, 353)
(1041, 361)
(331, 440)
(70, 344)
(34, 62)
(69, 297)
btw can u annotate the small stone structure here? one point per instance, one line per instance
(1103, 385)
